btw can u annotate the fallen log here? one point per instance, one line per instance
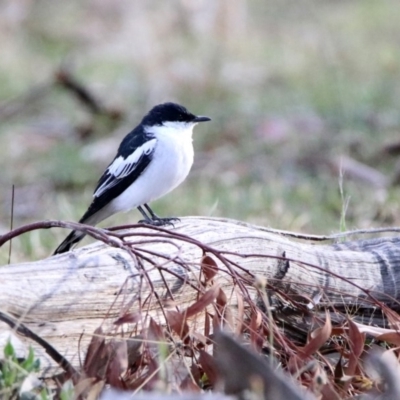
(145, 271)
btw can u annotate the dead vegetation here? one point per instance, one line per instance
(293, 346)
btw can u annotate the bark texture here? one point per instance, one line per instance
(65, 298)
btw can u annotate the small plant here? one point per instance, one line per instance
(14, 373)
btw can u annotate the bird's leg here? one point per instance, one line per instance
(156, 220)
(151, 212)
(147, 219)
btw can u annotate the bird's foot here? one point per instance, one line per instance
(160, 221)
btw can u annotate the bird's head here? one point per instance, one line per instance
(172, 115)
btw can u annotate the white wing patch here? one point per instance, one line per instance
(121, 167)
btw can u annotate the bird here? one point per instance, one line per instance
(153, 159)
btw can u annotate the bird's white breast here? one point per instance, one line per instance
(170, 165)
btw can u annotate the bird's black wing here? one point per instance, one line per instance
(134, 155)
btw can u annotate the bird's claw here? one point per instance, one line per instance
(160, 221)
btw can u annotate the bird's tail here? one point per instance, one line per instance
(91, 217)
(73, 238)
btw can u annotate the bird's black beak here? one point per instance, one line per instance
(201, 119)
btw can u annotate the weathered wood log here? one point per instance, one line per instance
(65, 298)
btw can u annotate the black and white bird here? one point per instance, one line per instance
(153, 159)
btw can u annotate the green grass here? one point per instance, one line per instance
(14, 371)
(288, 85)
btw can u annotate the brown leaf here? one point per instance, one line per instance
(118, 362)
(224, 310)
(147, 380)
(129, 318)
(202, 302)
(228, 319)
(94, 364)
(155, 331)
(178, 324)
(356, 343)
(217, 323)
(153, 375)
(317, 339)
(209, 267)
(134, 349)
(255, 337)
(240, 312)
(390, 337)
(209, 366)
(222, 300)
(338, 330)
(207, 325)
(339, 373)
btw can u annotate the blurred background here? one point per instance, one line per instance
(303, 95)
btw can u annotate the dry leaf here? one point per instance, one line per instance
(356, 344)
(118, 362)
(209, 267)
(156, 332)
(95, 360)
(255, 324)
(207, 325)
(224, 310)
(202, 302)
(178, 324)
(317, 339)
(240, 312)
(129, 318)
(134, 349)
(208, 365)
(390, 337)
(217, 323)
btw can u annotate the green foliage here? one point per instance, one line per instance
(67, 391)
(14, 371)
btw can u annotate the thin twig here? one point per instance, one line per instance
(11, 221)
